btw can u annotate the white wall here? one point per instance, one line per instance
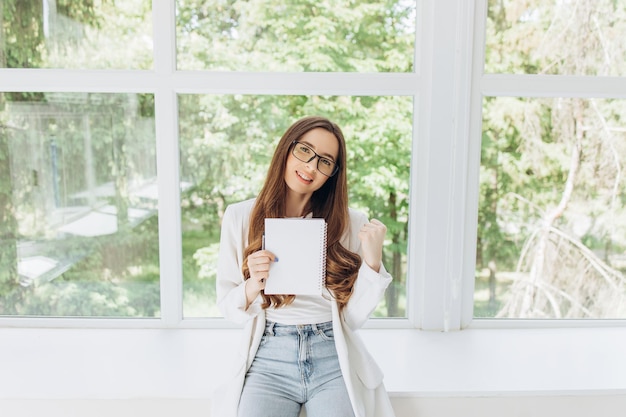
(158, 372)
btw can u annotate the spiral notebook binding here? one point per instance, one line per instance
(324, 250)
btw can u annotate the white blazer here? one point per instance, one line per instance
(362, 376)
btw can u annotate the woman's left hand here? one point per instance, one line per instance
(372, 237)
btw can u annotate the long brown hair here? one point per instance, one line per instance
(330, 202)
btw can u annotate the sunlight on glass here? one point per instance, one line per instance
(552, 213)
(226, 146)
(78, 205)
(583, 37)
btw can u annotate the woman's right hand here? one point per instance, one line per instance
(259, 266)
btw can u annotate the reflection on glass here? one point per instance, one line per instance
(78, 34)
(226, 146)
(583, 37)
(552, 213)
(308, 35)
(78, 203)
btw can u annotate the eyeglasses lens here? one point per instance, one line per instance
(306, 154)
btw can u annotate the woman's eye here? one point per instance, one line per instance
(326, 162)
(304, 149)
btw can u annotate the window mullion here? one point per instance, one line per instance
(473, 162)
(443, 129)
(166, 122)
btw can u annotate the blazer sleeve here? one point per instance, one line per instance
(230, 286)
(369, 287)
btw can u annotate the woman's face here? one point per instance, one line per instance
(304, 177)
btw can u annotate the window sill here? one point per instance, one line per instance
(189, 363)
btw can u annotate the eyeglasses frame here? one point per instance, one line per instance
(316, 155)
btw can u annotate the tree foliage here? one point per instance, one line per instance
(302, 35)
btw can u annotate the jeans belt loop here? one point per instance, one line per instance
(270, 329)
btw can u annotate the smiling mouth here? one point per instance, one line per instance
(304, 177)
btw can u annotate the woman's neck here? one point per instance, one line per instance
(296, 205)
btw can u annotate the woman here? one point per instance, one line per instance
(302, 350)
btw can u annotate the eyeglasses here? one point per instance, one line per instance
(304, 153)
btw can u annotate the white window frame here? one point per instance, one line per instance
(165, 82)
(515, 85)
(448, 85)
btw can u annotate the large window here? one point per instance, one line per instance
(488, 135)
(552, 214)
(78, 204)
(115, 169)
(78, 178)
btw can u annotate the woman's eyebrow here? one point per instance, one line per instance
(326, 155)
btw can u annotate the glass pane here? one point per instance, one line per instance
(226, 146)
(77, 34)
(78, 205)
(583, 37)
(552, 212)
(307, 35)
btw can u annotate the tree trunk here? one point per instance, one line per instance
(120, 177)
(391, 295)
(492, 286)
(537, 268)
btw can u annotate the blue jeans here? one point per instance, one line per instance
(295, 366)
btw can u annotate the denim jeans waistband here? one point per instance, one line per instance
(274, 328)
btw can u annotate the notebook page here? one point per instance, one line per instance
(300, 245)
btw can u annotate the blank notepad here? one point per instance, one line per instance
(300, 245)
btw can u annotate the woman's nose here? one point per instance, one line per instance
(312, 164)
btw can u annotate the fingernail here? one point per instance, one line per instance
(276, 259)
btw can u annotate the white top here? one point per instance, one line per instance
(305, 309)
